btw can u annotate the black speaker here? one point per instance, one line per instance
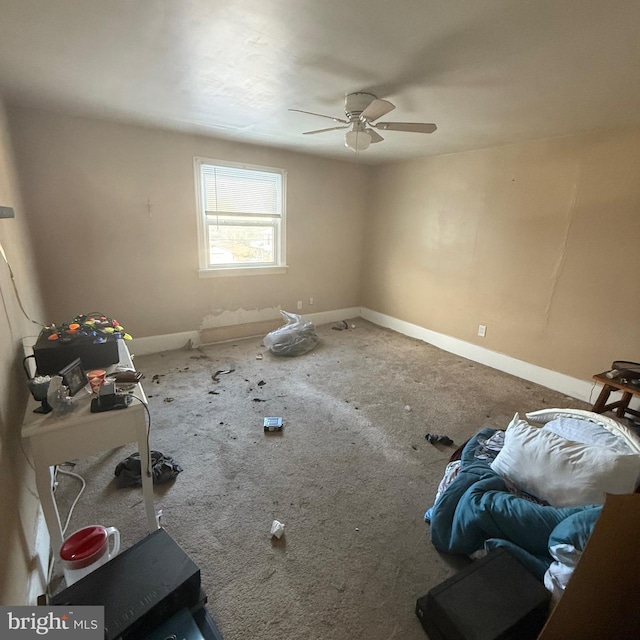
(54, 355)
(494, 598)
(140, 588)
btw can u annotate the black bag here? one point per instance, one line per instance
(163, 469)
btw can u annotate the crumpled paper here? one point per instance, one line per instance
(277, 529)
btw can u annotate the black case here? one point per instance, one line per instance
(140, 588)
(181, 625)
(54, 355)
(494, 598)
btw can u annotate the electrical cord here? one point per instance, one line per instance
(75, 502)
(58, 469)
(15, 288)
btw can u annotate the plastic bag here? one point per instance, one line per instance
(294, 338)
(58, 397)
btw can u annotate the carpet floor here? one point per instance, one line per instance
(350, 475)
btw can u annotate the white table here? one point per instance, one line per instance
(55, 440)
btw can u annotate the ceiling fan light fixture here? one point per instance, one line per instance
(357, 140)
(362, 111)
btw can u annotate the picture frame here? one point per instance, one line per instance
(74, 376)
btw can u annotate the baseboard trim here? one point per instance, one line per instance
(573, 387)
(168, 342)
(39, 568)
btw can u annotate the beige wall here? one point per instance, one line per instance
(538, 241)
(522, 238)
(87, 184)
(18, 503)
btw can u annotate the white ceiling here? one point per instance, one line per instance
(488, 72)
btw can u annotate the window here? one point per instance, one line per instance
(241, 218)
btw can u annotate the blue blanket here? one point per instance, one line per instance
(477, 511)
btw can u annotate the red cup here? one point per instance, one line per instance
(96, 378)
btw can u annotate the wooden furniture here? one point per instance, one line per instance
(611, 385)
(55, 440)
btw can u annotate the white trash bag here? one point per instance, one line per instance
(294, 338)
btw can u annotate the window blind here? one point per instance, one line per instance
(232, 190)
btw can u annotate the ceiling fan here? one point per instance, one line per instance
(361, 110)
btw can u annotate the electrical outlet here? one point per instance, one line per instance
(311, 302)
(482, 330)
(299, 305)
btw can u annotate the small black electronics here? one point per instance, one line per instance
(129, 376)
(140, 588)
(119, 402)
(108, 399)
(625, 369)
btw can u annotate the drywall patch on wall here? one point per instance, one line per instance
(165, 342)
(226, 318)
(238, 331)
(193, 339)
(240, 323)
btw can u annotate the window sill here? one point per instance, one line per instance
(241, 271)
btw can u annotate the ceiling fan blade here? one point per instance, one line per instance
(413, 127)
(377, 109)
(320, 115)
(308, 133)
(375, 136)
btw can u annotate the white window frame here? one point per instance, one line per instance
(279, 222)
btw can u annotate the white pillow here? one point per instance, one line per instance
(562, 472)
(545, 415)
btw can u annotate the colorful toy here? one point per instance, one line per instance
(95, 324)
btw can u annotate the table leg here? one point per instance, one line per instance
(624, 403)
(147, 480)
(600, 403)
(49, 507)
